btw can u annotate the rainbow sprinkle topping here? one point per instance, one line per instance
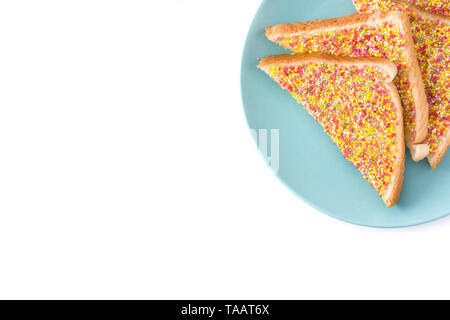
(432, 43)
(440, 7)
(384, 40)
(355, 109)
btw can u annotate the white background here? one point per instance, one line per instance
(127, 169)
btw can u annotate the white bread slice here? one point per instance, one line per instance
(431, 34)
(300, 37)
(345, 100)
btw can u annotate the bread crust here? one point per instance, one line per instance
(400, 19)
(287, 59)
(393, 190)
(435, 158)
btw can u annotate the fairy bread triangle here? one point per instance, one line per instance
(358, 106)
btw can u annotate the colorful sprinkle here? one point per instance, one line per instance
(355, 109)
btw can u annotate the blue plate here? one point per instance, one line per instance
(304, 157)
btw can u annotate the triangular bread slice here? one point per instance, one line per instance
(358, 106)
(431, 34)
(387, 35)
